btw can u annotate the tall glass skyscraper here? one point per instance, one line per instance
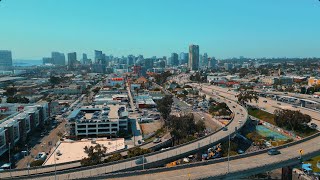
(5, 60)
(193, 57)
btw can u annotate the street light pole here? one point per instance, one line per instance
(28, 165)
(142, 162)
(229, 155)
(10, 158)
(55, 166)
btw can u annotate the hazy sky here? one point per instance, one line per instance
(222, 28)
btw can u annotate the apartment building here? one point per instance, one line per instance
(18, 126)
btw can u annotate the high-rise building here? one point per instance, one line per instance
(47, 60)
(148, 63)
(193, 57)
(228, 66)
(98, 55)
(174, 59)
(72, 60)
(84, 59)
(212, 63)
(5, 60)
(183, 59)
(58, 58)
(205, 60)
(130, 60)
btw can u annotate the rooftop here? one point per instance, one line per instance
(74, 150)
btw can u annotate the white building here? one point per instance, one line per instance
(103, 120)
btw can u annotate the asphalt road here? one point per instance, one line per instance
(235, 124)
(270, 105)
(236, 166)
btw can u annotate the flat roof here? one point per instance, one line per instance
(74, 150)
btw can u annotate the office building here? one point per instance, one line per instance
(228, 66)
(72, 60)
(5, 60)
(103, 120)
(212, 64)
(84, 59)
(204, 61)
(193, 57)
(47, 60)
(183, 59)
(130, 60)
(58, 58)
(174, 59)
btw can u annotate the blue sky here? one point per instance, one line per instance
(222, 28)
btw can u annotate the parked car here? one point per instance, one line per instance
(265, 101)
(6, 166)
(273, 152)
(279, 103)
(225, 128)
(313, 126)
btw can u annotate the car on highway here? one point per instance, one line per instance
(141, 160)
(225, 128)
(157, 140)
(273, 152)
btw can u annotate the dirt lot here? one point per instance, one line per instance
(148, 128)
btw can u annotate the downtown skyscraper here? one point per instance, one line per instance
(72, 60)
(193, 57)
(5, 60)
(58, 58)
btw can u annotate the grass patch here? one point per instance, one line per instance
(306, 132)
(265, 116)
(313, 163)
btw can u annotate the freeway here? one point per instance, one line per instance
(154, 159)
(267, 104)
(239, 166)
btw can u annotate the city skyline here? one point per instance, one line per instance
(221, 29)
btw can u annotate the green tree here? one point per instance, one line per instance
(137, 151)
(55, 80)
(96, 90)
(36, 163)
(94, 154)
(291, 120)
(164, 106)
(114, 157)
(184, 128)
(11, 91)
(246, 96)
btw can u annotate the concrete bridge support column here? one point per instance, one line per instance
(286, 173)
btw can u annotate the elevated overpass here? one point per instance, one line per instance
(152, 160)
(239, 166)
